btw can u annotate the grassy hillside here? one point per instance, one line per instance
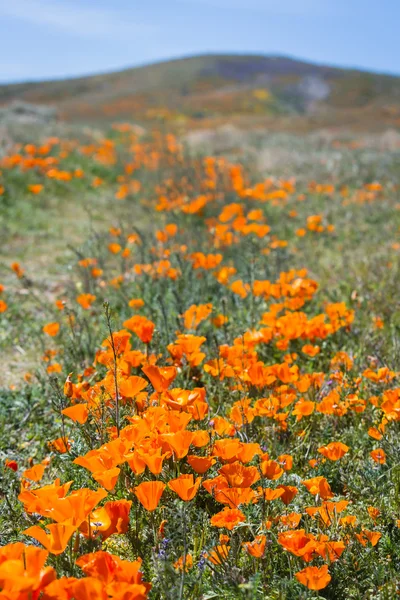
(196, 89)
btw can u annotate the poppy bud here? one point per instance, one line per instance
(68, 387)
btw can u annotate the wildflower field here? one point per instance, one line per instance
(200, 386)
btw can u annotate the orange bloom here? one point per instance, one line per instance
(366, 536)
(320, 486)
(141, 326)
(114, 248)
(86, 300)
(136, 303)
(78, 413)
(107, 479)
(298, 543)
(35, 473)
(334, 451)
(56, 540)
(269, 493)
(17, 269)
(378, 456)
(11, 464)
(291, 520)
(111, 518)
(315, 578)
(289, 492)
(51, 329)
(271, 469)
(228, 518)
(184, 563)
(238, 475)
(22, 571)
(200, 464)
(149, 493)
(311, 350)
(61, 445)
(303, 408)
(194, 315)
(35, 188)
(219, 554)
(160, 377)
(185, 486)
(257, 547)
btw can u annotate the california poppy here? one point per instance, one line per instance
(334, 451)
(200, 464)
(149, 494)
(51, 329)
(185, 486)
(378, 456)
(78, 412)
(257, 547)
(56, 540)
(315, 578)
(320, 486)
(228, 518)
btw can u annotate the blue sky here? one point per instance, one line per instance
(58, 38)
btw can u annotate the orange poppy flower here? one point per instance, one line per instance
(378, 456)
(178, 443)
(136, 303)
(56, 540)
(237, 475)
(286, 461)
(16, 267)
(11, 464)
(334, 451)
(200, 464)
(35, 473)
(235, 496)
(160, 377)
(111, 518)
(35, 188)
(185, 486)
(60, 445)
(219, 554)
(132, 386)
(366, 536)
(23, 573)
(303, 408)
(51, 329)
(114, 248)
(271, 469)
(269, 493)
(320, 486)
(109, 568)
(141, 326)
(195, 314)
(78, 413)
(311, 350)
(184, 563)
(291, 520)
(228, 518)
(149, 494)
(315, 578)
(86, 300)
(289, 492)
(257, 547)
(107, 479)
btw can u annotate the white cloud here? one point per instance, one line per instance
(75, 19)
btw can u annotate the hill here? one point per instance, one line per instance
(247, 88)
